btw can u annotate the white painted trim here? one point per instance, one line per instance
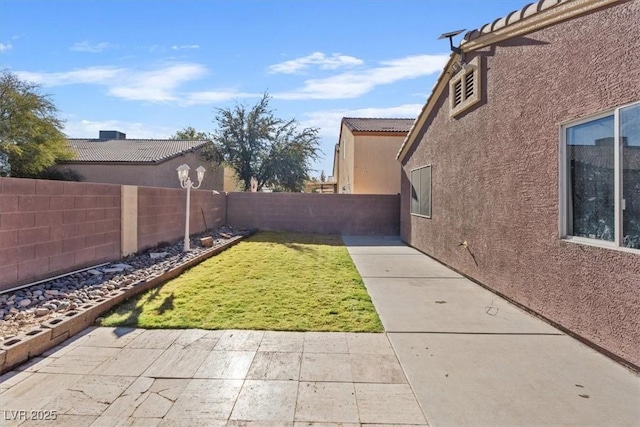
(617, 179)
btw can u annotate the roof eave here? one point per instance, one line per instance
(426, 109)
(531, 18)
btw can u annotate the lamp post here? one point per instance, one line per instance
(185, 182)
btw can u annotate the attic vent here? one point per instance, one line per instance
(468, 85)
(458, 93)
(464, 87)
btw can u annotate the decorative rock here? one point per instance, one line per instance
(206, 242)
(156, 255)
(21, 309)
(42, 311)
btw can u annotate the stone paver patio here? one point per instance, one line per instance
(123, 376)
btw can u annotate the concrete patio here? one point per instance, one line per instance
(474, 359)
(454, 354)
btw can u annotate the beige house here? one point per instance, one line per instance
(114, 159)
(364, 159)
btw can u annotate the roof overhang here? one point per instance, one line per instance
(531, 18)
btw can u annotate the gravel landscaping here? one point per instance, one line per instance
(25, 308)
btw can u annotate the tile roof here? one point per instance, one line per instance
(513, 17)
(361, 124)
(130, 150)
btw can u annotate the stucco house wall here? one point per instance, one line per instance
(148, 174)
(495, 176)
(376, 171)
(346, 184)
(365, 157)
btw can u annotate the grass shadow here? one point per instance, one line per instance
(167, 304)
(132, 309)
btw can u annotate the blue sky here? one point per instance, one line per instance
(150, 68)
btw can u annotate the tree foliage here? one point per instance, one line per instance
(259, 146)
(190, 133)
(31, 138)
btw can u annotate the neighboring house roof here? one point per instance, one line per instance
(531, 17)
(361, 124)
(130, 150)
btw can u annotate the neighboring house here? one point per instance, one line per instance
(364, 158)
(114, 159)
(323, 187)
(523, 169)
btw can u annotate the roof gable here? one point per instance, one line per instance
(365, 124)
(531, 17)
(130, 150)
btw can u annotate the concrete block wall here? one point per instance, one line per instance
(316, 213)
(53, 227)
(49, 227)
(161, 214)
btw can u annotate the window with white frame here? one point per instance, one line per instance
(601, 178)
(421, 191)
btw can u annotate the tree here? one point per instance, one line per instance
(190, 133)
(323, 177)
(31, 138)
(257, 145)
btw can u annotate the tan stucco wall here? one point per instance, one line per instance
(345, 162)
(151, 175)
(376, 170)
(366, 162)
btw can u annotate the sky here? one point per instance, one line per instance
(151, 68)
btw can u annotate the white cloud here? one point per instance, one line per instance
(134, 130)
(87, 46)
(211, 97)
(328, 121)
(325, 62)
(355, 84)
(5, 47)
(186, 46)
(97, 75)
(156, 85)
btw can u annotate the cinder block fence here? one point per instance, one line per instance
(52, 227)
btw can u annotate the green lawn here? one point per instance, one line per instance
(271, 281)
